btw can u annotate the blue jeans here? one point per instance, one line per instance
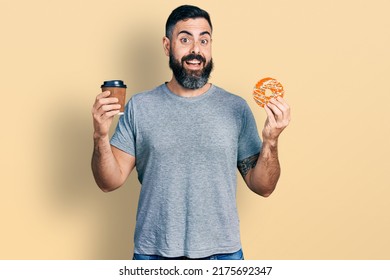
(232, 256)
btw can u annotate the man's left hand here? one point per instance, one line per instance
(278, 118)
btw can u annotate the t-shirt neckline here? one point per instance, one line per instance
(188, 99)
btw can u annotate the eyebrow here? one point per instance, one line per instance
(189, 33)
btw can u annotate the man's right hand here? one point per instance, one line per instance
(103, 111)
(110, 165)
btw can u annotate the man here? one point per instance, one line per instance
(186, 138)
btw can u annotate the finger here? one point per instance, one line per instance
(104, 105)
(282, 106)
(107, 100)
(104, 101)
(281, 112)
(109, 107)
(103, 94)
(102, 112)
(271, 117)
(102, 116)
(275, 109)
(109, 114)
(285, 108)
(281, 100)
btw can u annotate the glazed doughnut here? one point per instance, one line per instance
(259, 92)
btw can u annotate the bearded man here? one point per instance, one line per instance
(186, 138)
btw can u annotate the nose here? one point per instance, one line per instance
(195, 48)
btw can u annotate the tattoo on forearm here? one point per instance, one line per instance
(247, 164)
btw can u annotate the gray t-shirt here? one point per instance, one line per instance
(186, 152)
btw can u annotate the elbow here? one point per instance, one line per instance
(263, 187)
(106, 188)
(106, 185)
(264, 191)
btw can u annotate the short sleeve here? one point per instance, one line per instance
(249, 142)
(124, 135)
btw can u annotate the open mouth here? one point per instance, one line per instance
(193, 62)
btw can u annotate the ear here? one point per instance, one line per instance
(166, 45)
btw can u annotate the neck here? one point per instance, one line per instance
(179, 90)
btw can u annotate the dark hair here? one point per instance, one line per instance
(185, 12)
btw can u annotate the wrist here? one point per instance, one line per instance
(97, 137)
(272, 143)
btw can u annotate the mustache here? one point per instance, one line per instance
(193, 56)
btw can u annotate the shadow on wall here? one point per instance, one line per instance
(143, 60)
(105, 221)
(73, 192)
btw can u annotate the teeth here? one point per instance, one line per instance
(193, 62)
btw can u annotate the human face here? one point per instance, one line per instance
(189, 52)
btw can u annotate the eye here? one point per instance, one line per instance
(185, 40)
(204, 41)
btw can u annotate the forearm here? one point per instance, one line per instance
(105, 167)
(266, 173)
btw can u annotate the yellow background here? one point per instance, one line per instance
(333, 58)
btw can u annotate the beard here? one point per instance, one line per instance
(190, 79)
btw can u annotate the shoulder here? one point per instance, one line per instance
(147, 95)
(233, 100)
